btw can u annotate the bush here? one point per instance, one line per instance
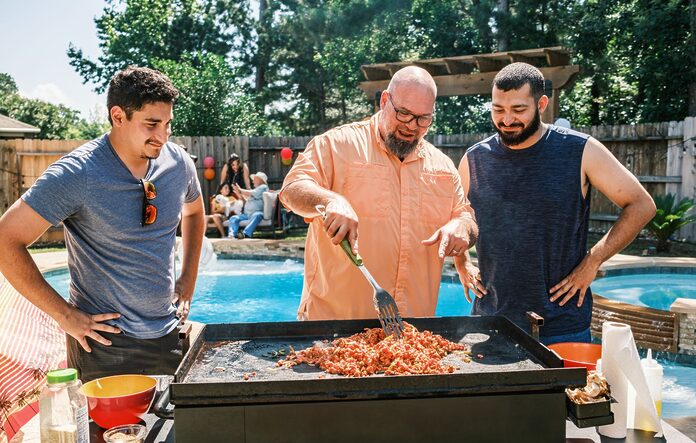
(669, 217)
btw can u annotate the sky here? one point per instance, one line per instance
(33, 49)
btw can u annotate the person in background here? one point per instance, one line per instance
(253, 207)
(120, 198)
(234, 172)
(530, 187)
(220, 206)
(384, 187)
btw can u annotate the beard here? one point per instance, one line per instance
(398, 147)
(150, 152)
(523, 135)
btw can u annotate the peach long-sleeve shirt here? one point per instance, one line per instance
(398, 204)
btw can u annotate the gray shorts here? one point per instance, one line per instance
(126, 355)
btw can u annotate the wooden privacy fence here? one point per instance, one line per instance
(661, 155)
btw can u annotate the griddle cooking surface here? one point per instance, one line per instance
(503, 359)
(230, 360)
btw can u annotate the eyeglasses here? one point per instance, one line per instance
(404, 116)
(149, 210)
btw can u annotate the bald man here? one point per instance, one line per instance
(390, 191)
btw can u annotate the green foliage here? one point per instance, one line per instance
(211, 102)
(7, 85)
(298, 62)
(635, 56)
(137, 32)
(669, 217)
(54, 121)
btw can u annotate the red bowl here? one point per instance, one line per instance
(119, 399)
(578, 355)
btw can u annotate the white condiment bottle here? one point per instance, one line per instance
(653, 374)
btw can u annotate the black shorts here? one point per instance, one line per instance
(126, 355)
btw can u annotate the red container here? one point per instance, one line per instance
(578, 355)
(119, 399)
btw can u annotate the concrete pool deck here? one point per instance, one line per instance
(56, 260)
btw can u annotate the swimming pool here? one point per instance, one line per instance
(652, 290)
(231, 291)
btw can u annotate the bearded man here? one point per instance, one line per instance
(530, 187)
(381, 178)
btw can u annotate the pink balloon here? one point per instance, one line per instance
(209, 162)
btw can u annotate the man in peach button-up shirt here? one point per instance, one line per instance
(392, 192)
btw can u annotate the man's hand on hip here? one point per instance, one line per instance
(453, 238)
(577, 282)
(79, 325)
(341, 221)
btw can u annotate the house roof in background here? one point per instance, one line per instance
(10, 125)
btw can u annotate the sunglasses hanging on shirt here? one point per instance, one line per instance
(149, 210)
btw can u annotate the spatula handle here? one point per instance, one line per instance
(345, 245)
(355, 258)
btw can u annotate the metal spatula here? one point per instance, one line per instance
(387, 310)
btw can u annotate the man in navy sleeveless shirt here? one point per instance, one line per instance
(529, 185)
(120, 199)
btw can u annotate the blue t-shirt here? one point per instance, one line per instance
(115, 263)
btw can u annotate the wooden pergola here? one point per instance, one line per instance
(473, 74)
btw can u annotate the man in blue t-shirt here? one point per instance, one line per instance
(530, 188)
(120, 199)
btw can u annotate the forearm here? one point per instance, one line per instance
(192, 230)
(632, 219)
(460, 261)
(302, 197)
(470, 227)
(22, 273)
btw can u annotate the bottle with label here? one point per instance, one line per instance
(63, 409)
(653, 374)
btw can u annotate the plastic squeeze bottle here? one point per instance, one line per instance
(653, 374)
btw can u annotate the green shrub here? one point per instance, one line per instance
(669, 217)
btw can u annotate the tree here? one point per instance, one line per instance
(136, 32)
(211, 103)
(7, 85)
(53, 121)
(634, 57)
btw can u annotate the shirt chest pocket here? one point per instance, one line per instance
(437, 196)
(367, 189)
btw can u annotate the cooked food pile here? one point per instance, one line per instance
(597, 389)
(370, 352)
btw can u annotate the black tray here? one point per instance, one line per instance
(589, 410)
(591, 421)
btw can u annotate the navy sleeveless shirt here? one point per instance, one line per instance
(533, 222)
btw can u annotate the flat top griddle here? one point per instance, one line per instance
(503, 359)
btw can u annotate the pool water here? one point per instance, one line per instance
(232, 291)
(236, 291)
(652, 290)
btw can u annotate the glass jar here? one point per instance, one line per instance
(63, 409)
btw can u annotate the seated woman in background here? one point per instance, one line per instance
(234, 172)
(222, 205)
